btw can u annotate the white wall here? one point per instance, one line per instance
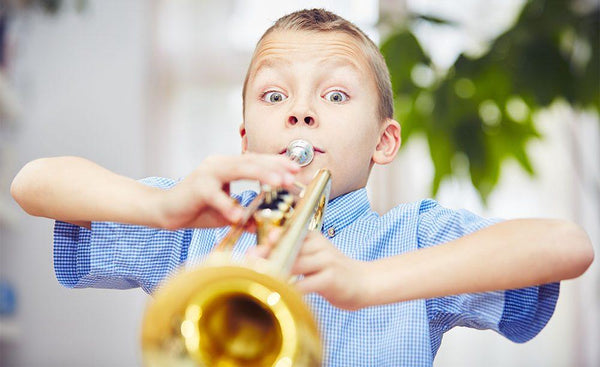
(81, 81)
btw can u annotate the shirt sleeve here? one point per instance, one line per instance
(114, 255)
(518, 314)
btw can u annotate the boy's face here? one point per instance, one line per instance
(315, 86)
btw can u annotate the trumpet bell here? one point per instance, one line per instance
(231, 316)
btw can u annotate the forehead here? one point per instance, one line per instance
(285, 48)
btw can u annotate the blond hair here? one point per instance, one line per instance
(320, 20)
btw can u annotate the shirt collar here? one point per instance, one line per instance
(345, 209)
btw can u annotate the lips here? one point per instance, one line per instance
(317, 150)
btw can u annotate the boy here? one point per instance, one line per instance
(317, 77)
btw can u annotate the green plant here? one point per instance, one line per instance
(481, 109)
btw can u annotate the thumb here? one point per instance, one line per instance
(225, 205)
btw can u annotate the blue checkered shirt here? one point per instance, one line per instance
(113, 255)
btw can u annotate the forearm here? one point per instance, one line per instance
(76, 190)
(508, 255)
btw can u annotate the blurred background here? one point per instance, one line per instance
(498, 101)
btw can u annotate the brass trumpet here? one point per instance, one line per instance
(242, 313)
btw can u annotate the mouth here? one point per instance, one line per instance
(316, 149)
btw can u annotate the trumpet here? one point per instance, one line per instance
(244, 312)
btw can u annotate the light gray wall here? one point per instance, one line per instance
(80, 78)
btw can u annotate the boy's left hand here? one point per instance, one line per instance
(328, 272)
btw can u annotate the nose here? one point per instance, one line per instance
(301, 110)
(306, 119)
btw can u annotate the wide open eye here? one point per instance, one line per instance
(336, 96)
(274, 97)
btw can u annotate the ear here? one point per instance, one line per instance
(389, 142)
(244, 138)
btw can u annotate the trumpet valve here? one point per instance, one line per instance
(272, 213)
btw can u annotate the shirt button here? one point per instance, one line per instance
(331, 232)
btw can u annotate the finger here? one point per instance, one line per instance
(258, 252)
(310, 246)
(209, 218)
(225, 205)
(308, 264)
(273, 237)
(312, 284)
(272, 170)
(272, 160)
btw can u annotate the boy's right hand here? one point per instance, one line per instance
(202, 198)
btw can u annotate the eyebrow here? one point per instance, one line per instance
(340, 62)
(271, 63)
(274, 62)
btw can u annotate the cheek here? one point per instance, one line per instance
(255, 142)
(254, 127)
(259, 137)
(360, 137)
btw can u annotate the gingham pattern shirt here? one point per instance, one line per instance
(113, 255)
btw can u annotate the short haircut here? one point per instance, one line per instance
(320, 20)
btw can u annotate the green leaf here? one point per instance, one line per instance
(481, 110)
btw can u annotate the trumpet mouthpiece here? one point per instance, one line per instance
(301, 152)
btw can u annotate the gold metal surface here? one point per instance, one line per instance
(246, 313)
